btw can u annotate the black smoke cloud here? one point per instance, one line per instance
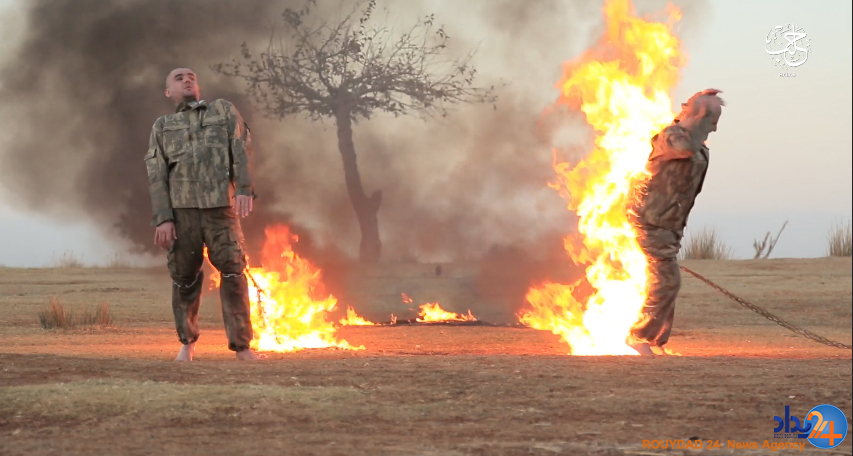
(83, 86)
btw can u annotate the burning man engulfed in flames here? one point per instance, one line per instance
(287, 313)
(622, 85)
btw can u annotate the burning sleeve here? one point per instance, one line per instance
(241, 153)
(158, 180)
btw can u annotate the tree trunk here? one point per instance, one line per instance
(365, 207)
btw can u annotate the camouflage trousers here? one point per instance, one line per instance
(219, 230)
(661, 247)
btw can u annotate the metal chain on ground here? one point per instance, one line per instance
(803, 332)
(261, 291)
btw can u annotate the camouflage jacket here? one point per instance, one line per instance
(676, 169)
(198, 157)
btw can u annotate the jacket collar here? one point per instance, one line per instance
(190, 105)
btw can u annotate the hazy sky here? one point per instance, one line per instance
(782, 152)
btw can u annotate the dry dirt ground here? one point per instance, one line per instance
(417, 390)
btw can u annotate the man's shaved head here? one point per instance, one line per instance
(705, 105)
(182, 85)
(174, 72)
(701, 113)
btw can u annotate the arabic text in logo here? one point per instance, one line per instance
(788, 46)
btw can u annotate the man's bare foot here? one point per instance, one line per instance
(249, 355)
(186, 353)
(660, 351)
(642, 348)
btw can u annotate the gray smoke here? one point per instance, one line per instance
(83, 86)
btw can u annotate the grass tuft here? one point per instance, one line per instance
(100, 317)
(705, 245)
(118, 260)
(56, 316)
(840, 239)
(68, 260)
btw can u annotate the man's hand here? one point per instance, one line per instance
(165, 234)
(244, 205)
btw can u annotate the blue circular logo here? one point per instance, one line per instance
(828, 426)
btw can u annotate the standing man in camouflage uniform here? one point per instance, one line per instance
(198, 160)
(677, 166)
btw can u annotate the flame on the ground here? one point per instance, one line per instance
(432, 312)
(288, 309)
(622, 85)
(353, 319)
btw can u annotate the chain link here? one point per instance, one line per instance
(803, 332)
(260, 292)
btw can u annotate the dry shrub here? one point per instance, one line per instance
(68, 260)
(705, 245)
(764, 248)
(56, 316)
(118, 261)
(100, 317)
(840, 239)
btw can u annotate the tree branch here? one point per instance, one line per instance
(366, 68)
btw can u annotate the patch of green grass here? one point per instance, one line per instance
(57, 316)
(705, 245)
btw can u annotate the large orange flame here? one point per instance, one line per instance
(287, 309)
(622, 85)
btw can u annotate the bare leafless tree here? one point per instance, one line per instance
(350, 70)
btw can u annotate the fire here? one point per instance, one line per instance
(432, 312)
(353, 319)
(622, 86)
(288, 313)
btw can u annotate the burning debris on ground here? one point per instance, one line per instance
(430, 313)
(287, 300)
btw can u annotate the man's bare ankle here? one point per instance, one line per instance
(186, 353)
(642, 348)
(249, 355)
